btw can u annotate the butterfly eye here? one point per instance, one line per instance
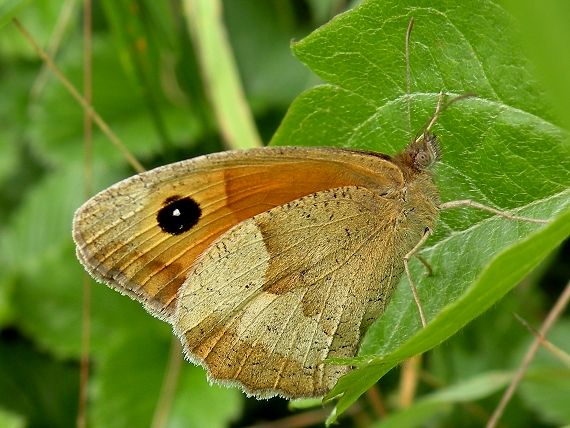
(422, 160)
(178, 215)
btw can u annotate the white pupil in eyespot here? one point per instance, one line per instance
(176, 213)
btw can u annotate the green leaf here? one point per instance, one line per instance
(546, 24)
(43, 282)
(8, 8)
(41, 224)
(497, 278)
(472, 389)
(501, 148)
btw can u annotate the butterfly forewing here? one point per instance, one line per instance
(142, 235)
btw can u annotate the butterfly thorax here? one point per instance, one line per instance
(420, 197)
(420, 202)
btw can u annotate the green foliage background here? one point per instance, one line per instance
(506, 147)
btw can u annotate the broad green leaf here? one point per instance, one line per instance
(500, 147)
(8, 8)
(498, 277)
(14, 82)
(503, 148)
(546, 24)
(45, 290)
(472, 389)
(47, 306)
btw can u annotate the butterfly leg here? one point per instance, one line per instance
(469, 203)
(429, 270)
(407, 257)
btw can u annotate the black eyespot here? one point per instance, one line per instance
(178, 215)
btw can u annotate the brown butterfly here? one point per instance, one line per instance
(266, 261)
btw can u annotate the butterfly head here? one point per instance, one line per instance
(425, 151)
(419, 156)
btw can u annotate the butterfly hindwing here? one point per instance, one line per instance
(275, 296)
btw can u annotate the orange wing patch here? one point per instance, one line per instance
(121, 241)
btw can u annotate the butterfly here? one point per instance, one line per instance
(265, 261)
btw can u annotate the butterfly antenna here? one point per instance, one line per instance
(409, 72)
(439, 108)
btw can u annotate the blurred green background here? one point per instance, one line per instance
(148, 85)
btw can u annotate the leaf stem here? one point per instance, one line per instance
(220, 74)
